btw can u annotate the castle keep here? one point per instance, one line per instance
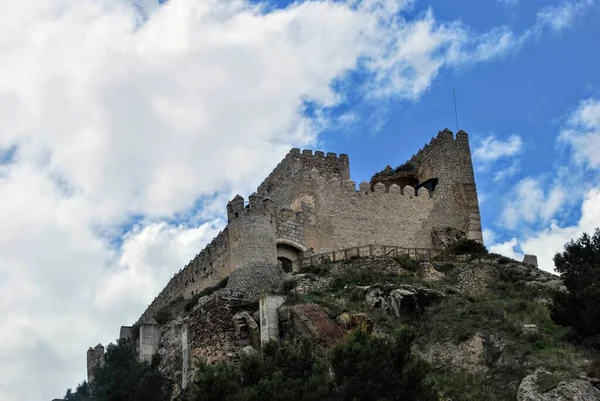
(309, 205)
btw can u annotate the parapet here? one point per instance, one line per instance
(443, 136)
(297, 161)
(237, 208)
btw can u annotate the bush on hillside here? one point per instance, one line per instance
(467, 247)
(579, 267)
(368, 368)
(365, 368)
(123, 377)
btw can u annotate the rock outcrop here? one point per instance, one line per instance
(582, 389)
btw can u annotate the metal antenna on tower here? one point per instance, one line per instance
(455, 112)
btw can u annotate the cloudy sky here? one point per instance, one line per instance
(126, 125)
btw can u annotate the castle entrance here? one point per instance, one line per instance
(288, 255)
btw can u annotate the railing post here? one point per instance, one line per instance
(371, 250)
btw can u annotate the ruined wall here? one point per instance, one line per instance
(148, 341)
(95, 358)
(449, 160)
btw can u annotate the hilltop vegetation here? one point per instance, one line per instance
(469, 328)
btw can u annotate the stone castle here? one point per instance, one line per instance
(309, 206)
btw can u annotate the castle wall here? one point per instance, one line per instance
(290, 226)
(337, 215)
(205, 270)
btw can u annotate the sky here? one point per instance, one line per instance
(126, 125)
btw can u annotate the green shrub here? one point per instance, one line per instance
(467, 247)
(368, 368)
(365, 368)
(406, 262)
(579, 266)
(282, 373)
(123, 377)
(318, 270)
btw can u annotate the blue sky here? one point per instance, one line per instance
(127, 125)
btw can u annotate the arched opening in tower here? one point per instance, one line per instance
(288, 256)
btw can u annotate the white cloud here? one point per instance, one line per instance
(530, 203)
(583, 133)
(550, 240)
(511, 170)
(492, 149)
(507, 249)
(489, 237)
(563, 15)
(121, 108)
(509, 2)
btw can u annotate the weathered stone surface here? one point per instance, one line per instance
(447, 236)
(428, 272)
(574, 390)
(468, 356)
(531, 261)
(375, 298)
(530, 330)
(269, 316)
(312, 321)
(428, 296)
(404, 300)
(254, 280)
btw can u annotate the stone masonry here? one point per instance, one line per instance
(309, 205)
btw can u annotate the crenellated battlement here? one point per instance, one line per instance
(237, 207)
(297, 162)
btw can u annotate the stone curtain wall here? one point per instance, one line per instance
(449, 160)
(338, 216)
(205, 270)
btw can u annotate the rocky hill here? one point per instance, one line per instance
(483, 324)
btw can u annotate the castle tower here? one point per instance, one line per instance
(252, 232)
(446, 168)
(95, 358)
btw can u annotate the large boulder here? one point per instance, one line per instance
(310, 321)
(375, 298)
(582, 389)
(404, 300)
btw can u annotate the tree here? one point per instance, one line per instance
(369, 368)
(579, 267)
(286, 372)
(123, 378)
(365, 368)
